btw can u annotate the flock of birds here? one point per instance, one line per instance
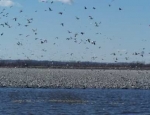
(73, 36)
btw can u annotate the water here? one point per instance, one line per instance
(17, 101)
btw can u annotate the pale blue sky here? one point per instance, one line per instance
(126, 30)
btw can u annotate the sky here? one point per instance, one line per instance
(113, 30)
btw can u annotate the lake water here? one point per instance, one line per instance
(28, 101)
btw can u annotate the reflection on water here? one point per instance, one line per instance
(16, 101)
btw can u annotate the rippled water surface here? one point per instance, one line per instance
(17, 101)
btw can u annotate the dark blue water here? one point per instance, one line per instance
(17, 101)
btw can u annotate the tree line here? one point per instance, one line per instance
(72, 64)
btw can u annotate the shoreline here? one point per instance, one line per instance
(74, 78)
(78, 68)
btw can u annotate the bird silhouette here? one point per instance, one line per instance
(15, 19)
(82, 33)
(50, 9)
(2, 34)
(94, 8)
(62, 24)
(60, 13)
